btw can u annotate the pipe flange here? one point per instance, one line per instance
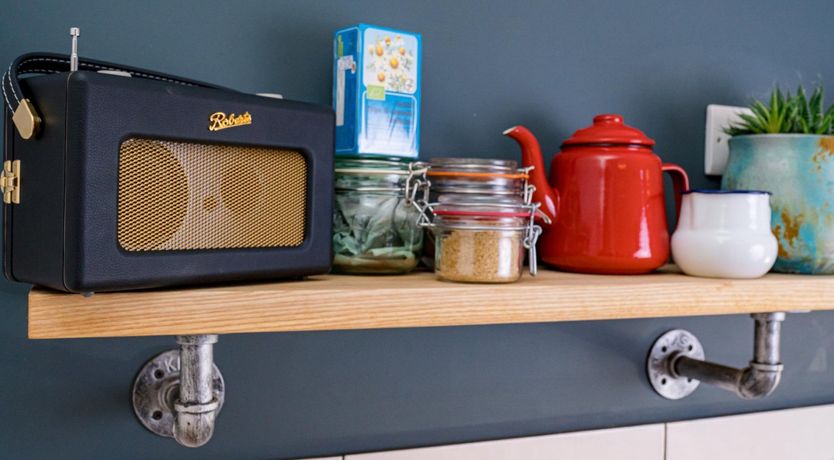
(156, 391)
(668, 347)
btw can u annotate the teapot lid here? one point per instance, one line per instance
(609, 129)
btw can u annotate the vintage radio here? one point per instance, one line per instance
(132, 179)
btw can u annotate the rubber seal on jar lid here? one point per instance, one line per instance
(435, 173)
(478, 164)
(449, 212)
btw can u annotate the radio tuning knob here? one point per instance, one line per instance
(74, 33)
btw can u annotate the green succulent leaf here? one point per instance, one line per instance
(786, 113)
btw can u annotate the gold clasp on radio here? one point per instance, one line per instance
(26, 119)
(10, 182)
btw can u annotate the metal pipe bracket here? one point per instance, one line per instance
(676, 364)
(164, 408)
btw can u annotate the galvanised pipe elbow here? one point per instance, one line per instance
(676, 364)
(179, 393)
(759, 380)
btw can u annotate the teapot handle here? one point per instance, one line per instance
(680, 182)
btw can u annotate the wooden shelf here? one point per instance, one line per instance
(417, 300)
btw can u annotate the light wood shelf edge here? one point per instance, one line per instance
(417, 300)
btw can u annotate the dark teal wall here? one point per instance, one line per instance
(487, 65)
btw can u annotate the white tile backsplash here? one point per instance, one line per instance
(635, 443)
(801, 434)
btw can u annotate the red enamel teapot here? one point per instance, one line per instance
(605, 199)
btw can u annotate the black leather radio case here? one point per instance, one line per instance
(63, 232)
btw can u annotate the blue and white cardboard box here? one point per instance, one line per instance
(376, 91)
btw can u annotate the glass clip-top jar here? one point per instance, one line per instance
(375, 222)
(483, 220)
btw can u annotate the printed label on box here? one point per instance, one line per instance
(376, 92)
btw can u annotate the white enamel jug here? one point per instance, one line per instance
(724, 234)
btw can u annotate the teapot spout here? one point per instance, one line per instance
(531, 155)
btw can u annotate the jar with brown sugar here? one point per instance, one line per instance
(487, 247)
(483, 220)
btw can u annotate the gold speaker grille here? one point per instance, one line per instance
(185, 196)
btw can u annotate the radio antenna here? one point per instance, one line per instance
(74, 33)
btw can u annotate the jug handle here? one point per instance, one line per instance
(680, 182)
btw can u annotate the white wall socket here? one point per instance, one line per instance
(716, 145)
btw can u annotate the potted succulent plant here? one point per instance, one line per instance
(787, 148)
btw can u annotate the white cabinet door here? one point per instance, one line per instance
(802, 434)
(635, 443)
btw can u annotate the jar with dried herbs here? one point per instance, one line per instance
(375, 229)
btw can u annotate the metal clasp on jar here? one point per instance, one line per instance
(528, 187)
(417, 187)
(531, 235)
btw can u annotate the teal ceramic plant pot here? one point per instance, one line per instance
(798, 169)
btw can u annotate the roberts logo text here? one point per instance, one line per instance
(219, 120)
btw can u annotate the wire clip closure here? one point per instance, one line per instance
(418, 189)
